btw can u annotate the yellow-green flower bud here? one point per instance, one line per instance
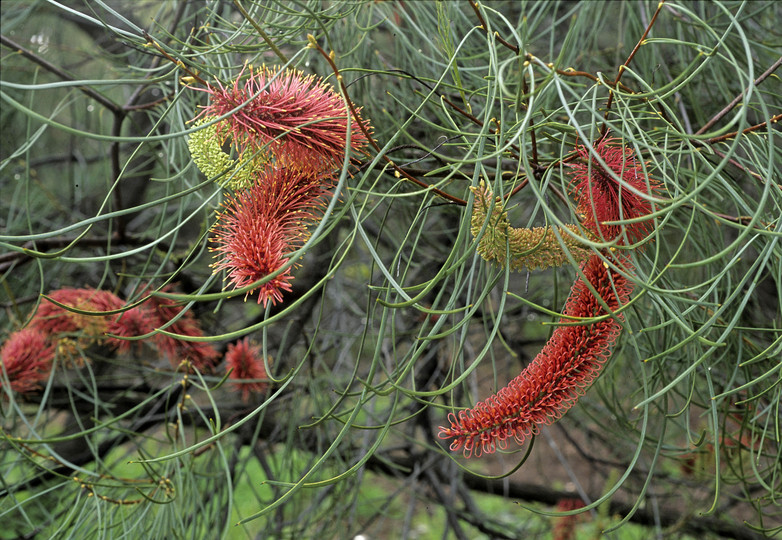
(537, 247)
(206, 148)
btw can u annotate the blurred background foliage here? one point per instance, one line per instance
(394, 321)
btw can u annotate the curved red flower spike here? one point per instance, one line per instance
(557, 377)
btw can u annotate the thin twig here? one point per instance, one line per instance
(497, 36)
(632, 54)
(261, 33)
(97, 96)
(399, 171)
(774, 119)
(717, 117)
(173, 60)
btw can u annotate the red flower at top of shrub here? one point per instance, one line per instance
(603, 198)
(298, 119)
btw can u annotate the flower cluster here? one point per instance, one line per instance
(68, 321)
(536, 247)
(26, 360)
(261, 224)
(298, 119)
(290, 132)
(613, 198)
(205, 146)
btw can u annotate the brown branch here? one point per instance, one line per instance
(632, 54)
(497, 36)
(717, 117)
(774, 119)
(531, 492)
(97, 96)
(151, 42)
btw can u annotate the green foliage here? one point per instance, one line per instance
(394, 320)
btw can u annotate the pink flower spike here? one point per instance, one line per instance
(51, 319)
(27, 357)
(260, 225)
(301, 120)
(133, 322)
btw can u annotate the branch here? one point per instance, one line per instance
(100, 98)
(717, 117)
(399, 171)
(632, 54)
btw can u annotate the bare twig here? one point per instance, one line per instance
(399, 171)
(632, 54)
(497, 36)
(773, 120)
(717, 117)
(48, 66)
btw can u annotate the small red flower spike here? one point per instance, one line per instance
(243, 360)
(261, 224)
(565, 526)
(298, 119)
(27, 357)
(557, 377)
(135, 321)
(602, 198)
(201, 354)
(51, 319)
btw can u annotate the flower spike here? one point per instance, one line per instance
(298, 119)
(27, 358)
(557, 377)
(244, 360)
(205, 146)
(261, 224)
(602, 198)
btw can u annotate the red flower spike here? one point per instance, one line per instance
(243, 360)
(27, 356)
(601, 198)
(261, 224)
(556, 378)
(565, 526)
(301, 120)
